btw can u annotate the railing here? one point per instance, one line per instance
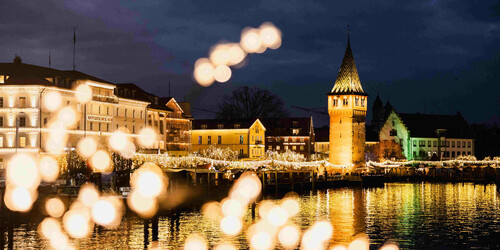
(101, 98)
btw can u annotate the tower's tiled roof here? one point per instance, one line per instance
(348, 79)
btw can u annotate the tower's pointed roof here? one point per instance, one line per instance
(348, 79)
(378, 103)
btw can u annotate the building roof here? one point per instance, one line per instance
(425, 125)
(285, 126)
(226, 124)
(322, 134)
(377, 103)
(347, 81)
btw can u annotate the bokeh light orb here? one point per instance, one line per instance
(222, 73)
(118, 140)
(231, 225)
(251, 41)
(49, 168)
(88, 195)
(22, 171)
(289, 236)
(204, 72)
(270, 35)
(76, 223)
(83, 93)
(147, 137)
(86, 147)
(104, 212)
(52, 100)
(101, 161)
(55, 207)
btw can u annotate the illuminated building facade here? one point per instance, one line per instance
(165, 115)
(347, 110)
(295, 134)
(322, 141)
(426, 136)
(24, 117)
(245, 137)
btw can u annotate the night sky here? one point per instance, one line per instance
(442, 55)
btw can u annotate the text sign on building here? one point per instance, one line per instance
(98, 118)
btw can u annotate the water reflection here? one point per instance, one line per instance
(415, 215)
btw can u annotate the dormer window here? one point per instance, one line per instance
(335, 102)
(204, 126)
(345, 101)
(295, 124)
(220, 126)
(362, 101)
(236, 125)
(295, 131)
(156, 100)
(356, 101)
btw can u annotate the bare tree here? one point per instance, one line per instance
(251, 103)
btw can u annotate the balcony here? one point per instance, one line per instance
(101, 98)
(257, 142)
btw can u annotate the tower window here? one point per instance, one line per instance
(345, 102)
(356, 99)
(335, 102)
(362, 101)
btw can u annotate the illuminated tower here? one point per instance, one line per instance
(347, 109)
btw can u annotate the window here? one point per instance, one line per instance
(236, 125)
(295, 131)
(116, 126)
(278, 147)
(356, 101)
(468, 144)
(452, 154)
(295, 124)
(434, 143)
(241, 139)
(161, 127)
(133, 130)
(269, 147)
(22, 102)
(447, 143)
(241, 151)
(220, 125)
(107, 110)
(463, 144)
(107, 127)
(301, 139)
(133, 113)
(345, 102)
(22, 121)
(209, 140)
(414, 143)
(453, 144)
(1, 121)
(99, 126)
(286, 139)
(1, 141)
(204, 126)
(294, 147)
(125, 113)
(141, 114)
(458, 144)
(458, 153)
(362, 101)
(394, 132)
(429, 143)
(200, 140)
(219, 139)
(1, 102)
(91, 126)
(335, 102)
(22, 141)
(421, 143)
(270, 139)
(257, 129)
(301, 147)
(286, 147)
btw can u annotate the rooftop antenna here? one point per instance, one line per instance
(74, 47)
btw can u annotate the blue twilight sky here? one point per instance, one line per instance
(442, 55)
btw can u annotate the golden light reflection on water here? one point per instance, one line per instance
(412, 215)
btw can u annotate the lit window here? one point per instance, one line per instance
(22, 141)
(453, 144)
(241, 139)
(1, 141)
(220, 125)
(428, 143)
(278, 147)
(463, 144)
(200, 140)
(236, 125)
(209, 140)
(301, 147)
(345, 102)
(294, 147)
(362, 101)
(204, 126)
(468, 144)
(335, 102)
(269, 147)
(22, 102)
(356, 101)
(295, 131)
(302, 139)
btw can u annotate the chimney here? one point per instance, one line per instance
(17, 59)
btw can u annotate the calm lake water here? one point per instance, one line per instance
(414, 215)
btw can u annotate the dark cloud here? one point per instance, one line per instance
(442, 55)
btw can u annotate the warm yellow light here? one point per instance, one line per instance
(129, 151)
(147, 137)
(76, 223)
(338, 247)
(232, 207)
(270, 35)
(67, 116)
(212, 210)
(105, 213)
(225, 246)
(86, 147)
(204, 72)
(52, 100)
(251, 41)
(360, 243)
(277, 216)
(146, 207)
(264, 207)
(247, 188)
(222, 73)
(49, 169)
(55, 207)
(220, 55)
(101, 161)
(316, 236)
(83, 93)
(118, 140)
(236, 54)
(49, 228)
(261, 240)
(389, 246)
(291, 206)
(195, 242)
(231, 225)
(22, 171)
(148, 180)
(289, 236)
(18, 199)
(88, 195)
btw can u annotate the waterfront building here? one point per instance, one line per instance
(168, 119)
(347, 110)
(246, 137)
(426, 136)
(23, 115)
(294, 134)
(322, 141)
